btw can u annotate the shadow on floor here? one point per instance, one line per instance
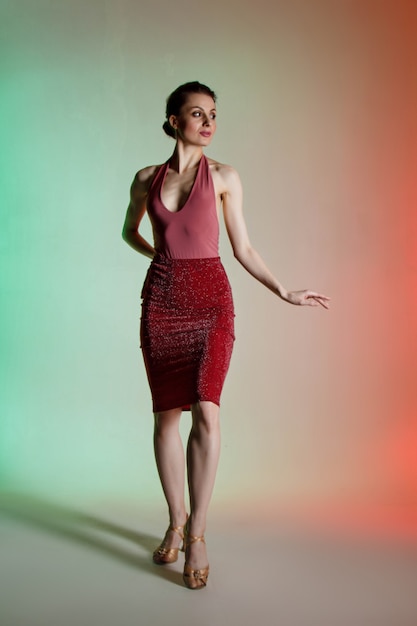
(89, 531)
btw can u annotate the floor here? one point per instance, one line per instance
(63, 567)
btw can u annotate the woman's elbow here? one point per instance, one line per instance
(127, 234)
(241, 253)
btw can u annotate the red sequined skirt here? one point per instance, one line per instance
(186, 331)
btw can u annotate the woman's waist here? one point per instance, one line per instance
(181, 281)
(163, 259)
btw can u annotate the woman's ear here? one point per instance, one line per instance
(173, 121)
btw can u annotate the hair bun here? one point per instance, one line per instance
(168, 129)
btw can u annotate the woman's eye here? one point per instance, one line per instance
(199, 114)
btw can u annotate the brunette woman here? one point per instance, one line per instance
(187, 330)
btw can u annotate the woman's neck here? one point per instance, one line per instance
(185, 157)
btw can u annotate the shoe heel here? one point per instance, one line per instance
(163, 555)
(194, 578)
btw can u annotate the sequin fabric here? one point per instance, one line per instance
(187, 330)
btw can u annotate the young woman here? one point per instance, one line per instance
(187, 312)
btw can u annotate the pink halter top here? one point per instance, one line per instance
(193, 231)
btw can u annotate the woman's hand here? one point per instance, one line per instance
(308, 298)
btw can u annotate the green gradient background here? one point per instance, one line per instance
(316, 106)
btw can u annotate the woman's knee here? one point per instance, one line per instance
(166, 421)
(206, 416)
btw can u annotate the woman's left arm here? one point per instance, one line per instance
(246, 254)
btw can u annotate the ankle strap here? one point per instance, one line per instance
(194, 539)
(178, 529)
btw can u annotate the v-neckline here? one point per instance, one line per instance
(190, 192)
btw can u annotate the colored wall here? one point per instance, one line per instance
(316, 104)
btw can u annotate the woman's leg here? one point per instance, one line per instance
(202, 459)
(170, 461)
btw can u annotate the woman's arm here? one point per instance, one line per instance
(135, 212)
(246, 254)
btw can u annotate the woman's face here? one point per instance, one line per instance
(196, 123)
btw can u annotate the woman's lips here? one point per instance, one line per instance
(205, 133)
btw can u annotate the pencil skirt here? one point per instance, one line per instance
(186, 331)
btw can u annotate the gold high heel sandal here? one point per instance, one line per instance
(194, 578)
(162, 555)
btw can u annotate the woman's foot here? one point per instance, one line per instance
(167, 551)
(196, 568)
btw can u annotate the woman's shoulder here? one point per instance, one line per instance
(146, 174)
(222, 168)
(142, 182)
(225, 174)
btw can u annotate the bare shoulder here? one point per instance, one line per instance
(145, 175)
(141, 183)
(225, 177)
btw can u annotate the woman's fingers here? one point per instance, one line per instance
(317, 299)
(310, 298)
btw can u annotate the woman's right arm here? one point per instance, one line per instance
(135, 212)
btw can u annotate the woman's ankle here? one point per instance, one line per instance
(178, 518)
(196, 525)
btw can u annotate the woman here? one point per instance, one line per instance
(187, 315)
